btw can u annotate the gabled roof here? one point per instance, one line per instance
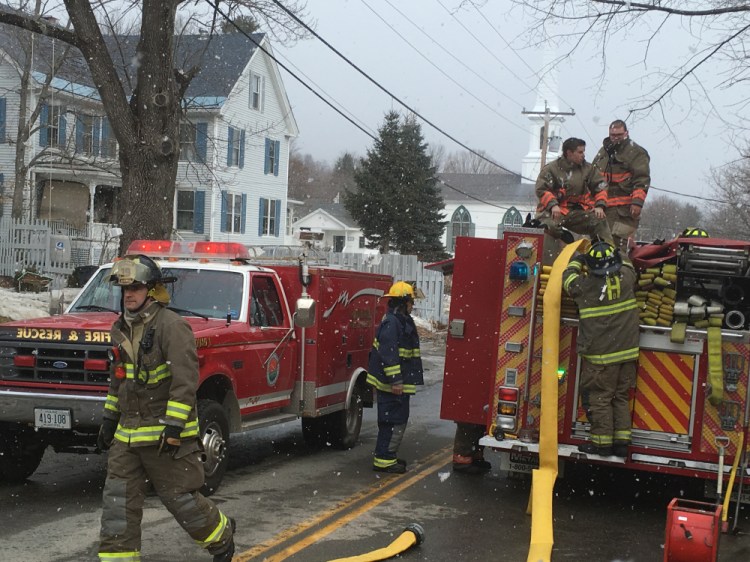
(224, 58)
(335, 210)
(493, 188)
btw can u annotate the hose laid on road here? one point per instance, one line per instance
(543, 479)
(412, 535)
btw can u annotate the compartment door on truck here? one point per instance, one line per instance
(269, 375)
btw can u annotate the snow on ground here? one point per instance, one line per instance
(22, 306)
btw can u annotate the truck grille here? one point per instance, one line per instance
(61, 363)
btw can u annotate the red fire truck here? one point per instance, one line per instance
(275, 343)
(494, 358)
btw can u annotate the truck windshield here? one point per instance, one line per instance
(210, 293)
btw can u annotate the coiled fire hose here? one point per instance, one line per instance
(412, 535)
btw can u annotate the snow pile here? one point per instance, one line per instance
(22, 306)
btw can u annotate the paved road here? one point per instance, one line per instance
(299, 504)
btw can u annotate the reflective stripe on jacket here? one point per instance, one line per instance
(564, 183)
(395, 357)
(627, 171)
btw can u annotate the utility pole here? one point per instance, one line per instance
(548, 115)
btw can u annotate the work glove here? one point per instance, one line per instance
(169, 441)
(106, 434)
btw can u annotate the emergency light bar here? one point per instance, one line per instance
(189, 250)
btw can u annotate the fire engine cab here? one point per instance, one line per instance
(276, 342)
(690, 403)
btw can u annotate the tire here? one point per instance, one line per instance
(339, 429)
(21, 451)
(214, 431)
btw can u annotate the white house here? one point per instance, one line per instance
(234, 141)
(339, 231)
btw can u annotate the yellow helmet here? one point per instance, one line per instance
(400, 289)
(694, 233)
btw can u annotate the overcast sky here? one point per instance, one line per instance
(457, 69)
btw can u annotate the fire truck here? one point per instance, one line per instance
(276, 342)
(690, 402)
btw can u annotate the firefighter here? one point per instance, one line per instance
(625, 167)
(395, 370)
(608, 336)
(468, 454)
(572, 195)
(150, 421)
(694, 233)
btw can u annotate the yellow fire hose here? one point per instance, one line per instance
(730, 485)
(412, 535)
(543, 478)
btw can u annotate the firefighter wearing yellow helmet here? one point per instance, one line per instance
(608, 340)
(694, 233)
(395, 370)
(150, 421)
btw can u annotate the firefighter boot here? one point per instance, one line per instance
(620, 449)
(395, 468)
(591, 449)
(465, 464)
(227, 555)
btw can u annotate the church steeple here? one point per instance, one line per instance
(545, 108)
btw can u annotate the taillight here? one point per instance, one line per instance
(24, 361)
(507, 408)
(96, 364)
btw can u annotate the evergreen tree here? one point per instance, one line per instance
(397, 202)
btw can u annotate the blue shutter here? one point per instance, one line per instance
(43, 123)
(201, 141)
(79, 133)
(199, 211)
(230, 146)
(278, 218)
(62, 138)
(244, 213)
(224, 197)
(277, 154)
(105, 138)
(261, 214)
(242, 149)
(2, 120)
(96, 123)
(2, 180)
(266, 166)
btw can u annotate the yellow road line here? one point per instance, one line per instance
(379, 491)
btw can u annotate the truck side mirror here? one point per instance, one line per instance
(304, 315)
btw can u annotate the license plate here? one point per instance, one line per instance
(523, 463)
(52, 419)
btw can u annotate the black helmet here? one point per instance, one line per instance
(694, 233)
(603, 259)
(137, 270)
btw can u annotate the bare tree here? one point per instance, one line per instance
(147, 132)
(664, 218)
(469, 163)
(729, 216)
(308, 178)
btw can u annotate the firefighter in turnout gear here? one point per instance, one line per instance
(608, 338)
(694, 233)
(395, 370)
(468, 454)
(150, 421)
(625, 167)
(572, 195)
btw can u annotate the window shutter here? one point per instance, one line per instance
(266, 166)
(43, 124)
(201, 141)
(262, 93)
(242, 148)
(79, 133)
(199, 211)
(278, 217)
(449, 236)
(472, 229)
(2, 120)
(244, 213)
(105, 139)
(63, 135)
(224, 197)
(261, 214)
(277, 153)
(230, 146)
(97, 122)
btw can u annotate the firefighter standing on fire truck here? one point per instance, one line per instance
(150, 421)
(608, 339)
(572, 195)
(395, 369)
(626, 168)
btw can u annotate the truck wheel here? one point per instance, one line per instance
(21, 451)
(214, 428)
(339, 429)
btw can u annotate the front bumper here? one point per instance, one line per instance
(18, 406)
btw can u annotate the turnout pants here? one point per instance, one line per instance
(607, 390)
(622, 225)
(466, 446)
(176, 481)
(393, 414)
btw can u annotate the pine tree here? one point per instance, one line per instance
(397, 202)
